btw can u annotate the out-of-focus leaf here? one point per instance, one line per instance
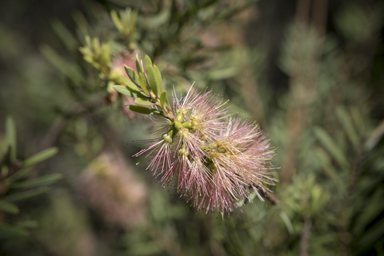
(345, 120)
(10, 130)
(331, 146)
(41, 156)
(158, 79)
(25, 195)
(116, 21)
(27, 224)
(22, 173)
(319, 197)
(142, 110)
(223, 73)
(38, 182)
(81, 23)
(7, 231)
(327, 165)
(143, 102)
(372, 209)
(287, 221)
(149, 248)
(68, 69)
(374, 137)
(65, 36)
(156, 21)
(372, 234)
(8, 207)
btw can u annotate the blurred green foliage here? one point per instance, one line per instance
(326, 121)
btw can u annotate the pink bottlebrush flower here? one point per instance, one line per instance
(208, 115)
(213, 162)
(111, 188)
(162, 158)
(241, 159)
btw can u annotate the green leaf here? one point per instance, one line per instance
(65, 35)
(158, 79)
(129, 83)
(331, 146)
(287, 221)
(81, 23)
(129, 92)
(8, 207)
(41, 156)
(69, 69)
(7, 231)
(116, 21)
(38, 182)
(123, 90)
(142, 110)
(147, 62)
(343, 116)
(27, 224)
(325, 162)
(143, 102)
(27, 194)
(139, 67)
(22, 173)
(143, 83)
(152, 81)
(163, 98)
(372, 234)
(10, 130)
(132, 75)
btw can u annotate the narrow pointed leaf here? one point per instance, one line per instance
(25, 195)
(7, 231)
(129, 83)
(123, 90)
(158, 79)
(129, 92)
(8, 207)
(152, 80)
(139, 67)
(27, 224)
(331, 146)
(143, 83)
(116, 21)
(143, 102)
(163, 97)
(11, 137)
(132, 75)
(325, 162)
(65, 35)
(142, 110)
(38, 182)
(345, 120)
(41, 156)
(147, 62)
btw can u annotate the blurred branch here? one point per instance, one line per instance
(302, 11)
(167, 244)
(302, 81)
(319, 16)
(72, 111)
(305, 234)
